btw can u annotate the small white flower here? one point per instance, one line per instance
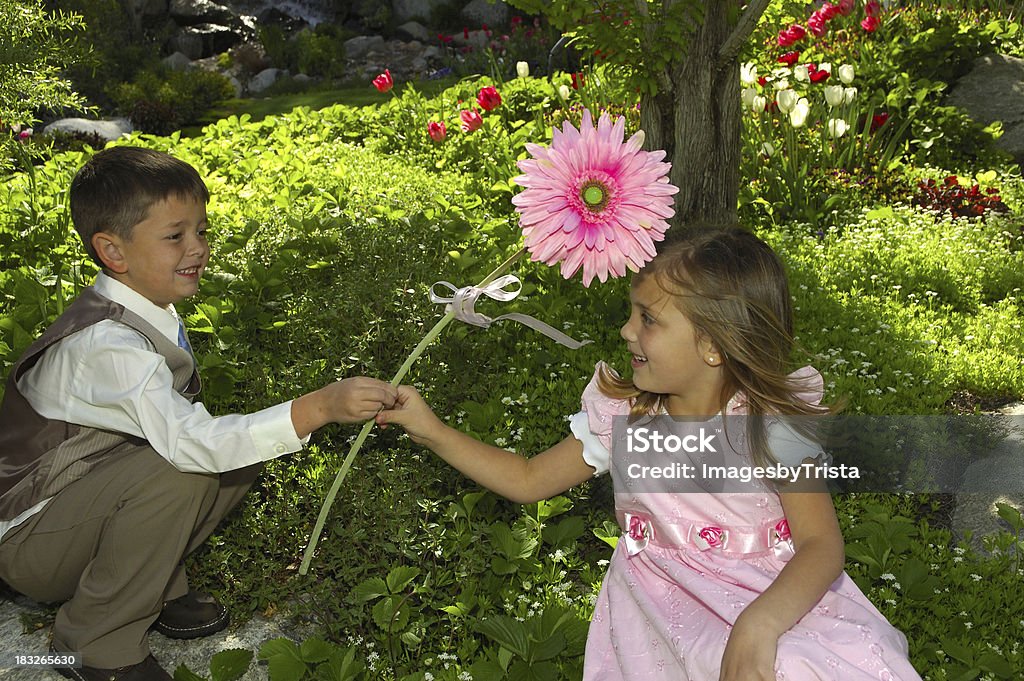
(849, 94)
(834, 95)
(889, 577)
(837, 127)
(522, 69)
(748, 73)
(846, 73)
(801, 74)
(564, 92)
(759, 103)
(798, 116)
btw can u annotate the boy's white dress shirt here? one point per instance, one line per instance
(109, 376)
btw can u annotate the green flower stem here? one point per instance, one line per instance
(307, 556)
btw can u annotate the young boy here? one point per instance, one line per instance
(110, 471)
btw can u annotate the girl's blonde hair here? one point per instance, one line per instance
(733, 289)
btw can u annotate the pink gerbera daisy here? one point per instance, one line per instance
(594, 201)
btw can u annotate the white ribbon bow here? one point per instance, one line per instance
(463, 299)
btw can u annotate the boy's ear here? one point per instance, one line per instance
(108, 248)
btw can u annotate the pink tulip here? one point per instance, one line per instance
(384, 82)
(437, 131)
(471, 120)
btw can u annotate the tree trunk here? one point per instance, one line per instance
(696, 120)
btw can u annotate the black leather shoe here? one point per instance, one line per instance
(147, 670)
(194, 615)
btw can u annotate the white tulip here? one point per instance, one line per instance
(748, 73)
(825, 66)
(782, 84)
(837, 127)
(564, 92)
(759, 104)
(522, 69)
(801, 74)
(787, 99)
(834, 95)
(849, 94)
(798, 116)
(846, 73)
(747, 96)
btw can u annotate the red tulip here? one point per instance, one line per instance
(471, 120)
(828, 10)
(488, 98)
(878, 120)
(869, 24)
(819, 75)
(437, 131)
(845, 7)
(791, 35)
(789, 58)
(872, 8)
(384, 82)
(577, 80)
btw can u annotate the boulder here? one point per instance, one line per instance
(414, 30)
(193, 12)
(178, 61)
(204, 40)
(264, 79)
(407, 10)
(107, 130)
(359, 46)
(995, 74)
(481, 12)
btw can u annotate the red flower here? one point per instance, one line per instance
(789, 58)
(816, 25)
(782, 530)
(465, 32)
(818, 75)
(828, 11)
(872, 8)
(869, 24)
(762, 81)
(488, 98)
(845, 7)
(437, 131)
(791, 35)
(878, 120)
(384, 82)
(577, 81)
(470, 120)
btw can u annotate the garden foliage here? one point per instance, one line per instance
(328, 228)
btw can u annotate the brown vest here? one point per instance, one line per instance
(40, 456)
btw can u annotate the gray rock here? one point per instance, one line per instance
(999, 476)
(193, 12)
(107, 130)
(195, 654)
(204, 40)
(420, 10)
(265, 78)
(480, 12)
(414, 30)
(178, 61)
(360, 45)
(994, 91)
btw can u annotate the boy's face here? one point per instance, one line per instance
(167, 253)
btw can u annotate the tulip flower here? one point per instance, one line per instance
(488, 98)
(801, 73)
(747, 96)
(834, 95)
(384, 82)
(759, 104)
(816, 25)
(846, 7)
(869, 24)
(522, 69)
(878, 120)
(798, 116)
(437, 131)
(837, 127)
(849, 94)
(828, 11)
(872, 8)
(787, 99)
(564, 92)
(748, 74)
(768, 149)
(793, 34)
(789, 58)
(846, 73)
(820, 75)
(471, 120)
(24, 134)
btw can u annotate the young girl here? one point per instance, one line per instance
(729, 586)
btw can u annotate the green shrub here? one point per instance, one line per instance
(160, 101)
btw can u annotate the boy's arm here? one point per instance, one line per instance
(506, 473)
(349, 400)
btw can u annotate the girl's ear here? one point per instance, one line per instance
(711, 355)
(108, 248)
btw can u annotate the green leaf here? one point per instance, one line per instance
(315, 650)
(230, 665)
(506, 632)
(367, 590)
(285, 668)
(183, 673)
(565, 532)
(277, 647)
(391, 613)
(608, 532)
(400, 577)
(1011, 515)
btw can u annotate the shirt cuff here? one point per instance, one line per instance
(273, 433)
(594, 453)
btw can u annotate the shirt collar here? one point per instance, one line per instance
(164, 319)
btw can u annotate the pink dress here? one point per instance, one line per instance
(686, 566)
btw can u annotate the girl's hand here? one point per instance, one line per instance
(413, 414)
(749, 654)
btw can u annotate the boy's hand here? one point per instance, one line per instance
(413, 414)
(357, 399)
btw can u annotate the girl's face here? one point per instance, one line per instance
(670, 357)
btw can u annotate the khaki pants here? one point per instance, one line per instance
(111, 545)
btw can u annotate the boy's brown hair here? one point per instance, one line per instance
(115, 189)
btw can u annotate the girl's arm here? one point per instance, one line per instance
(506, 473)
(817, 563)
